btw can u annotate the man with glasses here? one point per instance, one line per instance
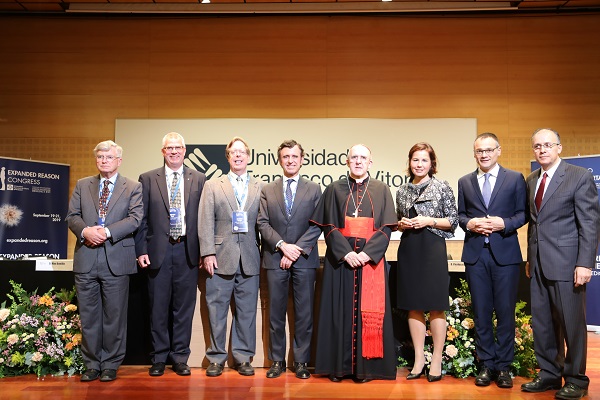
(492, 205)
(230, 254)
(167, 247)
(104, 213)
(563, 239)
(355, 336)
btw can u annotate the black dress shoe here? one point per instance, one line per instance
(541, 385)
(301, 370)
(245, 369)
(157, 369)
(412, 376)
(108, 375)
(214, 369)
(277, 368)
(363, 380)
(485, 377)
(504, 380)
(433, 378)
(570, 391)
(334, 378)
(90, 375)
(181, 369)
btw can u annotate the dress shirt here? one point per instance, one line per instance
(169, 175)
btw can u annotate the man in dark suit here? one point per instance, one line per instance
(167, 244)
(289, 252)
(563, 239)
(492, 205)
(104, 213)
(230, 254)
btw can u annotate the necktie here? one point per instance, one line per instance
(288, 197)
(487, 190)
(175, 230)
(540, 193)
(104, 200)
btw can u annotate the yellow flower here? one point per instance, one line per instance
(46, 300)
(70, 307)
(468, 323)
(76, 339)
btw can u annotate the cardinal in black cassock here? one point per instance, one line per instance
(355, 337)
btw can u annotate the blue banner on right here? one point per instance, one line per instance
(593, 287)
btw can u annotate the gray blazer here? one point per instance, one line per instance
(275, 225)
(568, 222)
(217, 205)
(125, 212)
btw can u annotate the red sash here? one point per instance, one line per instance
(372, 306)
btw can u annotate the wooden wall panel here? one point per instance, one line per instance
(70, 77)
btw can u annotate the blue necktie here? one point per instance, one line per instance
(288, 197)
(487, 190)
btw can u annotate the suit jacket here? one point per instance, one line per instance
(508, 201)
(564, 232)
(217, 205)
(153, 236)
(124, 215)
(275, 225)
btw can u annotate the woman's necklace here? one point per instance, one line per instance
(352, 197)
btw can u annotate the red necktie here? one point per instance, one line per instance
(540, 193)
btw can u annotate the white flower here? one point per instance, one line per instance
(4, 313)
(10, 215)
(12, 338)
(37, 357)
(41, 332)
(451, 351)
(467, 344)
(428, 356)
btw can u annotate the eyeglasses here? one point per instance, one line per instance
(481, 152)
(173, 148)
(237, 152)
(107, 158)
(547, 146)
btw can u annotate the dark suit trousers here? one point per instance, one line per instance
(493, 288)
(558, 316)
(303, 286)
(172, 291)
(102, 299)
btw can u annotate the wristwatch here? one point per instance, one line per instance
(279, 244)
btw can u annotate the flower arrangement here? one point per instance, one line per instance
(459, 358)
(40, 334)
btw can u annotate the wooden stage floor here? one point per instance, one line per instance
(134, 383)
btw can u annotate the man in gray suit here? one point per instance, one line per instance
(167, 244)
(230, 254)
(562, 238)
(288, 252)
(104, 212)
